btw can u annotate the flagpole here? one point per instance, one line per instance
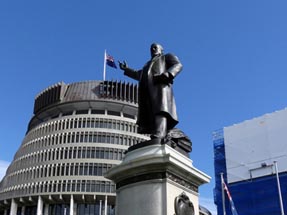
(222, 194)
(279, 188)
(104, 72)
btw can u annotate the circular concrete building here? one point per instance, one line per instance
(77, 132)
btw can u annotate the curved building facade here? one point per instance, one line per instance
(77, 132)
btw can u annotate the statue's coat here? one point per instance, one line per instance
(156, 97)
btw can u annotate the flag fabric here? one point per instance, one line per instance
(110, 61)
(233, 209)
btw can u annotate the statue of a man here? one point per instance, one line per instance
(157, 109)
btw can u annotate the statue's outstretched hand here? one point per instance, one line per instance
(123, 65)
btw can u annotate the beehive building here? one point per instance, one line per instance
(77, 132)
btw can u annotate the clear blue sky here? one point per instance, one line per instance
(234, 55)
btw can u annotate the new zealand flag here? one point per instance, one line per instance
(110, 61)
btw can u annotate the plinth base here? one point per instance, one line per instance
(150, 179)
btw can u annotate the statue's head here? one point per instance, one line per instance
(156, 49)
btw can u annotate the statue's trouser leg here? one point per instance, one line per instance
(160, 126)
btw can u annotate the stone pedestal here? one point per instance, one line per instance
(151, 177)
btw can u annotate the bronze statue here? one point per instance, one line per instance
(157, 110)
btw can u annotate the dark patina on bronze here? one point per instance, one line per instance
(182, 205)
(157, 109)
(175, 139)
